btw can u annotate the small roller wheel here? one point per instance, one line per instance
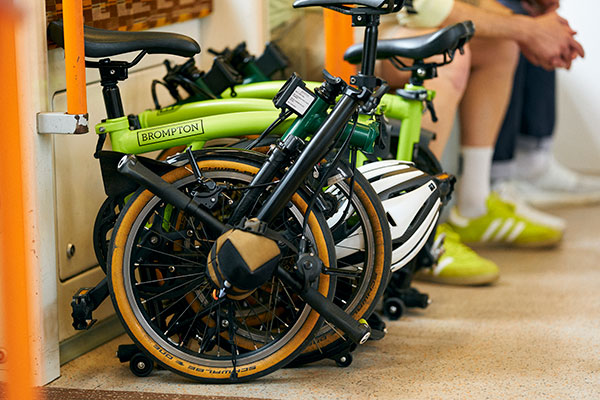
(393, 308)
(141, 365)
(414, 298)
(344, 361)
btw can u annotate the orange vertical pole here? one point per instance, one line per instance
(338, 37)
(74, 56)
(17, 314)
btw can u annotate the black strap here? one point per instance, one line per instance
(99, 145)
(261, 228)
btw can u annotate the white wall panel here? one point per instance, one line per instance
(577, 141)
(231, 22)
(79, 190)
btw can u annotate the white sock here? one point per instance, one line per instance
(474, 184)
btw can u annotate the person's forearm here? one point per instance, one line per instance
(490, 24)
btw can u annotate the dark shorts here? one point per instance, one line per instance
(514, 5)
(532, 108)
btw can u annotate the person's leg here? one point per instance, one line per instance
(539, 118)
(483, 217)
(541, 179)
(518, 125)
(450, 86)
(482, 110)
(458, 265)
(503, 165)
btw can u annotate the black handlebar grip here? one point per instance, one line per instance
(132, 168)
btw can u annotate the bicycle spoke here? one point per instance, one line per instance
(246, 325)
(276, 297)
(348, 247)
(189, 329)
(182, 297)
(169, 255)
(169, 223)
(159, 265)
(294, 308)
(259, 319)
(168, 291)
(180, 315)
(168, 279)
(334, 329)
(195, 231)
(280, 320)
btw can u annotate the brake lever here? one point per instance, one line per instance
(429, 105)
(375, 99)
(383, 89)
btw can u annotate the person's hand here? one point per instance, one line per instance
(548, 42)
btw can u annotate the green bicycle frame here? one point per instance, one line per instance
(249, 113)
(409, 112)
(196, 123)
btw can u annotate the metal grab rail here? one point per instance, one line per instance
(15, 264)
(339, 35)
(75, 120)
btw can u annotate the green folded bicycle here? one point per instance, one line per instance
(182, 269)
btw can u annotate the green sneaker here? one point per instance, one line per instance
(459, 265)
(503, 225)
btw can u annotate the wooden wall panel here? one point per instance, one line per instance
(134, 15)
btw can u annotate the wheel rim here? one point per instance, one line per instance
(133, 281)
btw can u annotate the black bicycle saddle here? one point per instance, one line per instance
(419, 47)
(105, 43)
(380, 6)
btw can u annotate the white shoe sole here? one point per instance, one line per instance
(548, 199)
(478, 280)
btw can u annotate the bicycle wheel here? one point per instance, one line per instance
(363, 249)
(426, 161)
(103, 226)
(163, 297)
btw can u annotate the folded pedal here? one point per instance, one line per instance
(84, 302)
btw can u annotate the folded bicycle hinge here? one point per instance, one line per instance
(62, 123)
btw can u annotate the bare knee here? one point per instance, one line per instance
(457, 72)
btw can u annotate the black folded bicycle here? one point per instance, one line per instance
(222, 265)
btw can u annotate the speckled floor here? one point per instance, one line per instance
(535, 334)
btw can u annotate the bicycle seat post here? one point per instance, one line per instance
(111, 72)
(366, 76)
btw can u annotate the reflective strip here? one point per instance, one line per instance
(504, 230)
(458, 219)
(516, 232)
(444, 262)
(491, 229)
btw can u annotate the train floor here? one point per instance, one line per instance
(535, 334)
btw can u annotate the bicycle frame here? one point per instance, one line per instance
(408, 111)
(249, 113)
(177, 126)
(154, 130)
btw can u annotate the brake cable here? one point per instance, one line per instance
(282, 117)
(302, 246)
